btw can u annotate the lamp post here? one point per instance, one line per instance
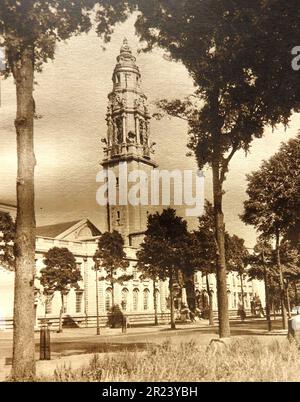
(97, 296)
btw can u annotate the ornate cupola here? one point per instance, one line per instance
(127, 113)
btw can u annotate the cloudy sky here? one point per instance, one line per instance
(71, 97)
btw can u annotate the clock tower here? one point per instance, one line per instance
(127, 143)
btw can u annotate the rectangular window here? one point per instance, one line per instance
(79, 297)
(119, 218)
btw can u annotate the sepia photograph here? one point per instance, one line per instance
(149, 194)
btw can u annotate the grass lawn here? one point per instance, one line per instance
(246, 359)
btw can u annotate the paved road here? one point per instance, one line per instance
(78, 341)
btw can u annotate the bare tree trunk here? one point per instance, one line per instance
(155, 303)
(112, 293)
(23, 365)
(288, 301)
(274, 310)
(60, 326)
(224, 328)
(281, 282)
(210, 302)
(189, 284)
(171, 283)
(268, 313)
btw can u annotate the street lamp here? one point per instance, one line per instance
(97, 295)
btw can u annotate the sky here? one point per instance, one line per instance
(71, 98)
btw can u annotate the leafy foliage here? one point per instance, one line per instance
(162, 251)
(39, 25)
(60, 272)
(237, 254)
(111, 257)
(273, 192)
(238, 61)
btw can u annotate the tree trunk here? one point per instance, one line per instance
(60, 326)
(112, 293)
(189, 284)
(224, 329)
(268, 312)
(273, 310)
(288, 301)
(171, 280)
(97, 302)
(210, 302)
(281, 282)
(155, 303)
(243, 297)
(23, 365)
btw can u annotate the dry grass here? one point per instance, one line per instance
(240, 360)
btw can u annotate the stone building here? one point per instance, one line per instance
(127, 142)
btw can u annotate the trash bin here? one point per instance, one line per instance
(45, 351)
(294, 329)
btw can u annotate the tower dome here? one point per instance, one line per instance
(127, 113)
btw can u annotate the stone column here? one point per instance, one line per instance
(137, 130)
(124, 127)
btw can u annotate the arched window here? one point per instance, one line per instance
(78, 302)
(119, 128)
(146, 299)
(135, 303)
(108, 299)
(125, 299)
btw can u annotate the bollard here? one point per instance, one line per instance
(45, 351)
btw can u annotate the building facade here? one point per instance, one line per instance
(127, 144)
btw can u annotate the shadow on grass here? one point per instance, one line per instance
(76, 348)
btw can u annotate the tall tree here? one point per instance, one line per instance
(7, 236)
(273, 201)
(60, 275)
(236, 253)
(161, 249)
(29, 32)
(111, 257)
(231, 105)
